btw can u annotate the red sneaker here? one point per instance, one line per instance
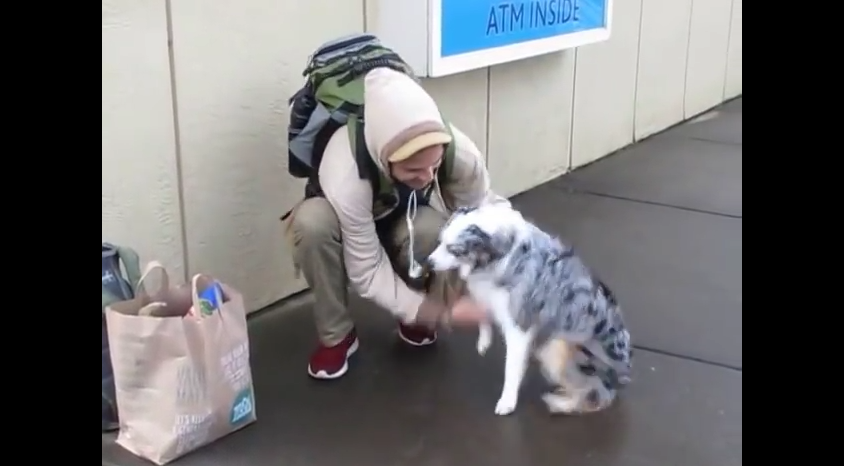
(331, 362)
(417, 335)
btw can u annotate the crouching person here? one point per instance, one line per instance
(386, 186)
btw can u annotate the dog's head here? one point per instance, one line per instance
(475, 238)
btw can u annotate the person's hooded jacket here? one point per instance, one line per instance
(401, 118)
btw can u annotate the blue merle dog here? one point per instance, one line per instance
(543, 299)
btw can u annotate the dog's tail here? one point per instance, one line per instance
(615, 339)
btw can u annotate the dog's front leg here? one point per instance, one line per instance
(518, 346)
(484, 337)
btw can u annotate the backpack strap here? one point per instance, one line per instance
(367, 169)
(448, 159)
(131, 265)
(366, 166)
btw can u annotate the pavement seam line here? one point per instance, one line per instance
(688, 358)
(715, 141)
(646, 202)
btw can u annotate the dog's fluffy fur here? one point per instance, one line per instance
(542, 298)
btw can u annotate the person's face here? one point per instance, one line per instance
(418, 170)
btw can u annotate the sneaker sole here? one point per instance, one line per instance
(322, 375)
(425, 342)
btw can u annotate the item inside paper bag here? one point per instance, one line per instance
(176, 303)
(209, 296)
(210, 299)
(161, 309)
(179, 301)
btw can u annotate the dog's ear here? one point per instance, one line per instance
(485, 247)
(501, 243)
(476, 239)
(463, 210)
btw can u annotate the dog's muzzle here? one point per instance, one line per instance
(421, 278)
(427, 266)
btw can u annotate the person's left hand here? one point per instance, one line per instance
(467, 312)
(430, 312)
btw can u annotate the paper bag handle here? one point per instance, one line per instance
(165, 279)
(150, 309)
(194, 293)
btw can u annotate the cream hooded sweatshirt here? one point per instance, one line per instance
(394, 105)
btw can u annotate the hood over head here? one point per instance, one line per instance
(401, 118)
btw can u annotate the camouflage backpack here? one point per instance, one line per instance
(333, 97)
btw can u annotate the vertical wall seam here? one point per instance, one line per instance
(180, 184)
(572, 113)
(488, 113)
(638, 64)
(688, 55)
(729, 43)
(365, 19)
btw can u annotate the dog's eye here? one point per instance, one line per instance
(455, 250)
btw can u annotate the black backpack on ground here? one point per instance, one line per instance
(121, 272)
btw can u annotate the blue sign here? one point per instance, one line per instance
(474, 25)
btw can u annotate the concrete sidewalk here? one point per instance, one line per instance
(662, 223)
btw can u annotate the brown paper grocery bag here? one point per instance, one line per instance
(182, 376)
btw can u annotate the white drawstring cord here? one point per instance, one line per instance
(414, 269)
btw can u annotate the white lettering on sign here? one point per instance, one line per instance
(192, 431)
(236, 366)
(191, 385)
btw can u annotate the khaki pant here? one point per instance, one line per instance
(318, 251)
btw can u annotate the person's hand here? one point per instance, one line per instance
(431, 312)
(466, 311)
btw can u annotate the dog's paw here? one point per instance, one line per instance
(505, 406)
(484, 342)
(558, 403)
(484, 337)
